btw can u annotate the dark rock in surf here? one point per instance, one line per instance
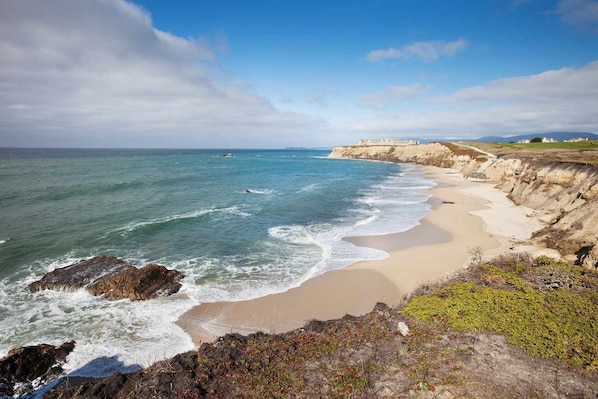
(24, 365)
(151, 281)
(112, 278)
(80, 274)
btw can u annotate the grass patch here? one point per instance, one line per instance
(590, 145)
(579, 152)
(460, 150)
(547, 308)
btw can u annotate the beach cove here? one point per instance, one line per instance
(187, 210)
(469, 218)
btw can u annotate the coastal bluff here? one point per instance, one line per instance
(564, 194)
(433, 154)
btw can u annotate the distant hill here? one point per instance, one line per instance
(559, 136)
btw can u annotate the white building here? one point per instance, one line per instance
(387, 141)
(576, 140)
(548, 140)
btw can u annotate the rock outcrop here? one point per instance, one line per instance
(112, 278)
(22, 366)
(151, 281)
(564, 194)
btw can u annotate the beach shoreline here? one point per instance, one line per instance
(467, 217)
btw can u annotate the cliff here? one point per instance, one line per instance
(565, 194)
(434, 154)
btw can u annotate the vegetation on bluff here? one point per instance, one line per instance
(547, 308)
(580, 151)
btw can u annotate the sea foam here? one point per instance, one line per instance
(110, 335)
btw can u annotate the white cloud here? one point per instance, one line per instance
(423, 51)
(553, 87)
(97, 73)
(563, 99)
(582, 14)
(383, 98)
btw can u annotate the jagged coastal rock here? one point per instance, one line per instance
(23, 365)
(564, 194)
(112, 278)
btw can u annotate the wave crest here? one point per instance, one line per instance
(177, 217)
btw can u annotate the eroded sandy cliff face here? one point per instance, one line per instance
(565, 195)
(434, 154)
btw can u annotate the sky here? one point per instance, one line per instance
(286, 73)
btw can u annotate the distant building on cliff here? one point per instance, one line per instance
(544, 140)
(576, 140)
(387, 141)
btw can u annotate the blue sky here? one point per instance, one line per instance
(226, 74)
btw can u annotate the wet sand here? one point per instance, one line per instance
(467, 215)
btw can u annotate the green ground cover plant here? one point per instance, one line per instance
(547, 308)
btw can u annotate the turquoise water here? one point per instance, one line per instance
(238, 227)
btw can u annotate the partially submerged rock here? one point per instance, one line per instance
(79, 275)
(24, 365)
(112, 278)
(151, 281)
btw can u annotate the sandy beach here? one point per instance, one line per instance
(466, 215)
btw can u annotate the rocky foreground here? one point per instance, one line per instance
(514, 327)
(26, 368)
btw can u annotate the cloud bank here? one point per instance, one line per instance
(423, 51)
(97, 73)
(563, 99)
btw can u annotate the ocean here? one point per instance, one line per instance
(238, 227)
